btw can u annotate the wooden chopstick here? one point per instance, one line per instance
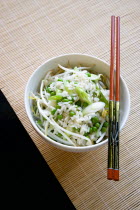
(113, 137)
(111, 102)
(117, 103)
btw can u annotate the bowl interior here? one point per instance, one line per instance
(74, 59)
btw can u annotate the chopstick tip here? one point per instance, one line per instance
(116, 175)
(109, 173)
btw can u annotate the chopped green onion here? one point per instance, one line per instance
(71, 113)
(58, 101)
(52, 93)
(88, 74)
(85, 104)
(103, 99)
(39, 122)
(58, 107)
(65, 100)
(56, 97)
(94, 107)
(32, 98)
(48, 89)
(86, 134)
(70, 102)
(94, 94)
(83, 95)
(78, 103)
(59, 117)
(53, 111)
(58, 91)
(61, 80)
(76, 129)
(59, 135)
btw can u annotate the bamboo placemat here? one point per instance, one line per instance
(33, 31)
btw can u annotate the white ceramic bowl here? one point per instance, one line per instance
(74, 59)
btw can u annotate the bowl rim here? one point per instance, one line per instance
(55, 143)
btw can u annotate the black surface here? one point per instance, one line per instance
(25, 178)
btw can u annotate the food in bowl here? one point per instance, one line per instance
(72, 105)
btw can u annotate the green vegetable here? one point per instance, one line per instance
(103, 99)
(58, 91)
(95, 77)
(88, 137)
(60, 80)
(91, 130)
(72, 98)
(71, 113)
(97, 88)
(94, 94)
(86, 134)
(32, 98)
(53, 111)
(76, 129)
(95, 120)
(67, 89)
(58, 101)
(59, 117)
(39, 122)
(58, 107)
(56, 97)
(85, 104)
(48, 89)
(106, 124)
(65, 100)
(52, 93)
(59, 135)
(88, 74)
(83, 95)
(78, 103)
(94, 129)
(34, 109)
(97, 125)
(103, 129)
(94, 107)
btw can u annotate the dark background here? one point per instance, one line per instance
(25, 178)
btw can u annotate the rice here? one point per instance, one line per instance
(59, 109)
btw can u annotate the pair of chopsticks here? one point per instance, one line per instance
(114, 104)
